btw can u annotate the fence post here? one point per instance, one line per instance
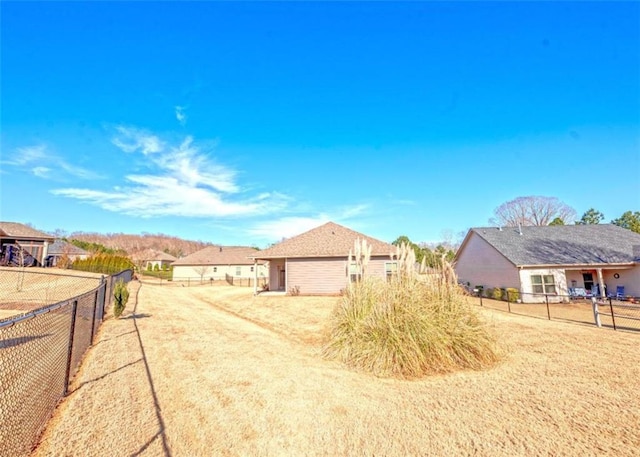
(596, 313)
(508, 300)
(613, 318)
(103, 285)
(93, 316)
(546, 297)
(74, 308)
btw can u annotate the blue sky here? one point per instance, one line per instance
(242, 123)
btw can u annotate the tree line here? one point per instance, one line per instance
(538, 210)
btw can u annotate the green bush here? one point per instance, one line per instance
(121, 296)
(407, 327)
(103, 263)
(497, 293)
(513, 294)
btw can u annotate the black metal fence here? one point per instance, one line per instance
(204, 281)
(40, 352)
(611, 312)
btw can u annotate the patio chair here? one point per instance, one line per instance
(619, 295)
(577, 292)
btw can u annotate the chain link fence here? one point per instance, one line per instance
(609, 312)
(41, 349)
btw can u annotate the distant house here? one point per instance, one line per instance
(219, 263)
(316, 262)
(551, 259)
(149, 259)
(21, 244)
(61, 252)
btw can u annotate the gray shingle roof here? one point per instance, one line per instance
(219, 255)
(60, 247)
(328, 240)
(564, 244)
(17, 230)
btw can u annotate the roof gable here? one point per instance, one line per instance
(563, 244)
(17, 230)
(328, 240)
(219, 255)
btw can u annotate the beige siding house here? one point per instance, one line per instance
(150, 258)
(316, 262)
(20, 243)
(219, 263)
(552, 261)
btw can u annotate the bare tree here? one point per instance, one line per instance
(201, 270)
(532, 210)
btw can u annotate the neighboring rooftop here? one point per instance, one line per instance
(151, 255)
(563, 244)
(328, 240)
(60, 247)
(17, 230)
(219, 255)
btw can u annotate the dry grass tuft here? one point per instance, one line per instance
(409, 328)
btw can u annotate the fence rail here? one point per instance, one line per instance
(204, 281)
(40, 352)
(610, 312)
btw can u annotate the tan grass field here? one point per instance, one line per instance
(207, 371)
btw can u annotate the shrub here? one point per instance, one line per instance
(497, 293)
(409, 328)
(513, 294)
(121, 296)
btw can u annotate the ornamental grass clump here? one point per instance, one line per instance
(409, 326)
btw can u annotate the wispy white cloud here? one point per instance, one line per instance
(26, 155)
(286, 227)
(41, 172)
(42, 162)
(181, 116)
(181, 180)
(289, 226)
(131, 140)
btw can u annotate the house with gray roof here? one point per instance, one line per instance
(62, 254)
(549, 260)
(316, 262)
(220, 263)
(21, 244)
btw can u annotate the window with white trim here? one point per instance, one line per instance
(390, 269)
(238, 271)
(355, 274)
(543, 284)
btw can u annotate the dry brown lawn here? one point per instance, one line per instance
(23, 290)
(207, 371)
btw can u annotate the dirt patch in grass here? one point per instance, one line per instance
(216, 371)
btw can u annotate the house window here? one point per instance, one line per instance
(543, 284)
(251, 269)
(215, 269)
(355, 274)
(390, 269)
(238, 271)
